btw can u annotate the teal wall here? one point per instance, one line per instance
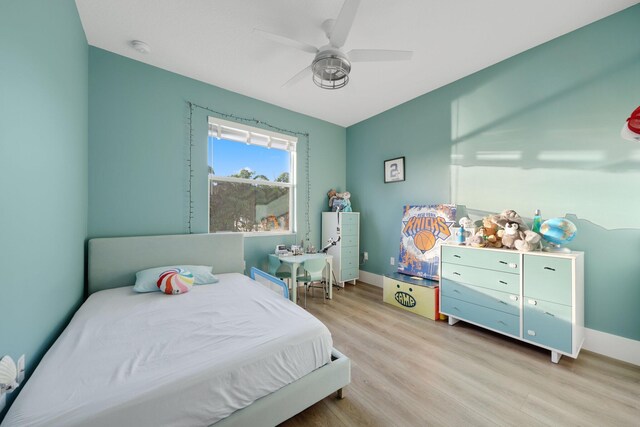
(43, 172)
(138, 151)
(539, 130)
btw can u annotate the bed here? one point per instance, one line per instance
(230, 353)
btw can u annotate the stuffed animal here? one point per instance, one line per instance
(331, 194)
(510, 234)
(339, 201)
(491, 233)
(477, 240)
(346, 205)
(530, 242)
(514, 238)
(508, 216)
(494, 241)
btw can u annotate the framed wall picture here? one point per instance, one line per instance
(394, 170)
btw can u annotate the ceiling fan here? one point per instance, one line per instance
(330, 67)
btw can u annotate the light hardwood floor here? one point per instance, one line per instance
(410, 371)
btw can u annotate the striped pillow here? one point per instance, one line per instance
(147, 280)
(175, 281)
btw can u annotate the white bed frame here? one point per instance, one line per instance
(113, 263)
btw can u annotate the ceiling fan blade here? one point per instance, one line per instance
(378, 55)
(343, 23)
(286, 41)
(306, 72)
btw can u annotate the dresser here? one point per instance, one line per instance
(537, 297)
(346, 253)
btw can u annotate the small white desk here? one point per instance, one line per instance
(295, 261)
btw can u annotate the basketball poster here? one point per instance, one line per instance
(424, 228)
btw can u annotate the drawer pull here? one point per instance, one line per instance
(398, 286)
(502, 302)
(456, 273)
(532, 333)
(510, 264)
(502, 322)
(549, 314)
(503, 282)
(456, 308)
(549, 268)
(533, 302)
(410, 289)
(513, 297)
(457, 256)
(455, 290)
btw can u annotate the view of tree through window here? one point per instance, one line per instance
(250, 188)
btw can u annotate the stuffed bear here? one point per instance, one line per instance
(331, 194)
(491, 233)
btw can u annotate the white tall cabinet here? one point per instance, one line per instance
(346, 253)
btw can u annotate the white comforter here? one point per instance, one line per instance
(130, 359)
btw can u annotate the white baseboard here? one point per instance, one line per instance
(371, 278)
(609, 345)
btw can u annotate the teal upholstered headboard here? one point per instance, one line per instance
(114, 261)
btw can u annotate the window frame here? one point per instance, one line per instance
(250, 135)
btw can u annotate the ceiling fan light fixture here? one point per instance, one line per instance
(331, 66)
(331, 69)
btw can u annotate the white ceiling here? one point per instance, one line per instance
(212, 41)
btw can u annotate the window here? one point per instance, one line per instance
(251, 179)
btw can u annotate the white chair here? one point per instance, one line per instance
(313, 273)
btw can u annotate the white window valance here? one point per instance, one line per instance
(223, 129)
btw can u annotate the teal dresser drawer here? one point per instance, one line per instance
(349, 262)
(350, 252)
(349, 240)
(348, 219)
(504, 282)
(483, 258)
(351, 230)
(548, 324)
(502, 301)
(548, 278)
(350, 226)
(494, 319)
(349, 274)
